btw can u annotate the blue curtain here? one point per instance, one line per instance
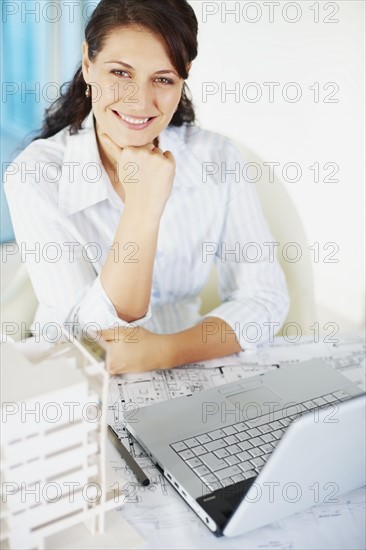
(41, 48)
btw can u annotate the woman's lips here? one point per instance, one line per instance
(134, 125)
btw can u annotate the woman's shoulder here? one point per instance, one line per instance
(192, 134)
(45, 150)
(203, 143)
(36, 169)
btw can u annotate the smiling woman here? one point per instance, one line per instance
(115, 181)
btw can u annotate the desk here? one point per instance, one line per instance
(164, 520)
(159, 515)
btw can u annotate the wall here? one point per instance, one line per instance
(317, 121)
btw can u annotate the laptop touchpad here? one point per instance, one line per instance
(254, 396)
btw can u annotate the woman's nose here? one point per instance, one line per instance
(140, 97)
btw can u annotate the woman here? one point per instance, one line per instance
(126, 221)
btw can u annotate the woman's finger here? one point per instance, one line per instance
(111, 145)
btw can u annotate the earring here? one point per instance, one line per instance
(87, 91)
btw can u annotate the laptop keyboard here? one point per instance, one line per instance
(239, 451)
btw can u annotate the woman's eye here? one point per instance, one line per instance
(160, 79)
(119, 73)
(165, 80)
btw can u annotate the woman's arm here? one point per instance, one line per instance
(139, 350)
(136, 238)
(146, 190)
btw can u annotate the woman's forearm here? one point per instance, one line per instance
(127, 273)
(139, 350)
(210, 339)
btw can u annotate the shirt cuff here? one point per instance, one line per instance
(252, 324)
(95, 311)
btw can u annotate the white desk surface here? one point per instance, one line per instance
(157, 517)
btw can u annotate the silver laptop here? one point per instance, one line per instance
(248, 453)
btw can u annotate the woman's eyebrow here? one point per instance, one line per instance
(130, 67)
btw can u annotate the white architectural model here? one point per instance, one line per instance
(53, 444)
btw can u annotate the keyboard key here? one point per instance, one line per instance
(340, 394)
(192, 442)
(329, 398)
(242, 436)
(310, 405)
(238, 477)
(229, 430)
(199, 450)
(202, 470)
(267, 448)
(293, 411)
(249, 474)
(214, 486)
(227, 481)
(245, 466)
(256, 441)
(265, 428)
(254, 432)
(204, 438)
(257, 462)
(231, 460)
(221, 453)
(277, 434)
(179, 446)
(266, 419)
(231, 439)
(265, 457)
(240, 427)
(285, 421)
(244, 456)
(319, 401)
(214, 445)
(209, 478)
(216, 434)
(275, 425)
(193, 462)
(212, 462)
(267, 438)
(233, 449)
(256, 451)
(325, 406)
(228, 472)
(186, 454)
(245, 445)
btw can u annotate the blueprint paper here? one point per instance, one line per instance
(162, 517)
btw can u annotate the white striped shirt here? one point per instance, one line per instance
(64, 208)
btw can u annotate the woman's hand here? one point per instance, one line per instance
(134, 350)
(145, 173)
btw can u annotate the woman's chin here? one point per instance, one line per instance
(137, 142)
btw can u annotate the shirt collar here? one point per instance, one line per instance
(84, 181)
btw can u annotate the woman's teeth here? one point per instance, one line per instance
(133, 120)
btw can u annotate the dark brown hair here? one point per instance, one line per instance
(174, 20)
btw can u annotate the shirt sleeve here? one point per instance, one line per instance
(251, 282)
(64, 278)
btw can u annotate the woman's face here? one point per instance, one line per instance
(132, 79)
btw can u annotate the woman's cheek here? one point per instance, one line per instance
(170, 100)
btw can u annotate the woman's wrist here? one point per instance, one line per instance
(167, 350)
(138, 215)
